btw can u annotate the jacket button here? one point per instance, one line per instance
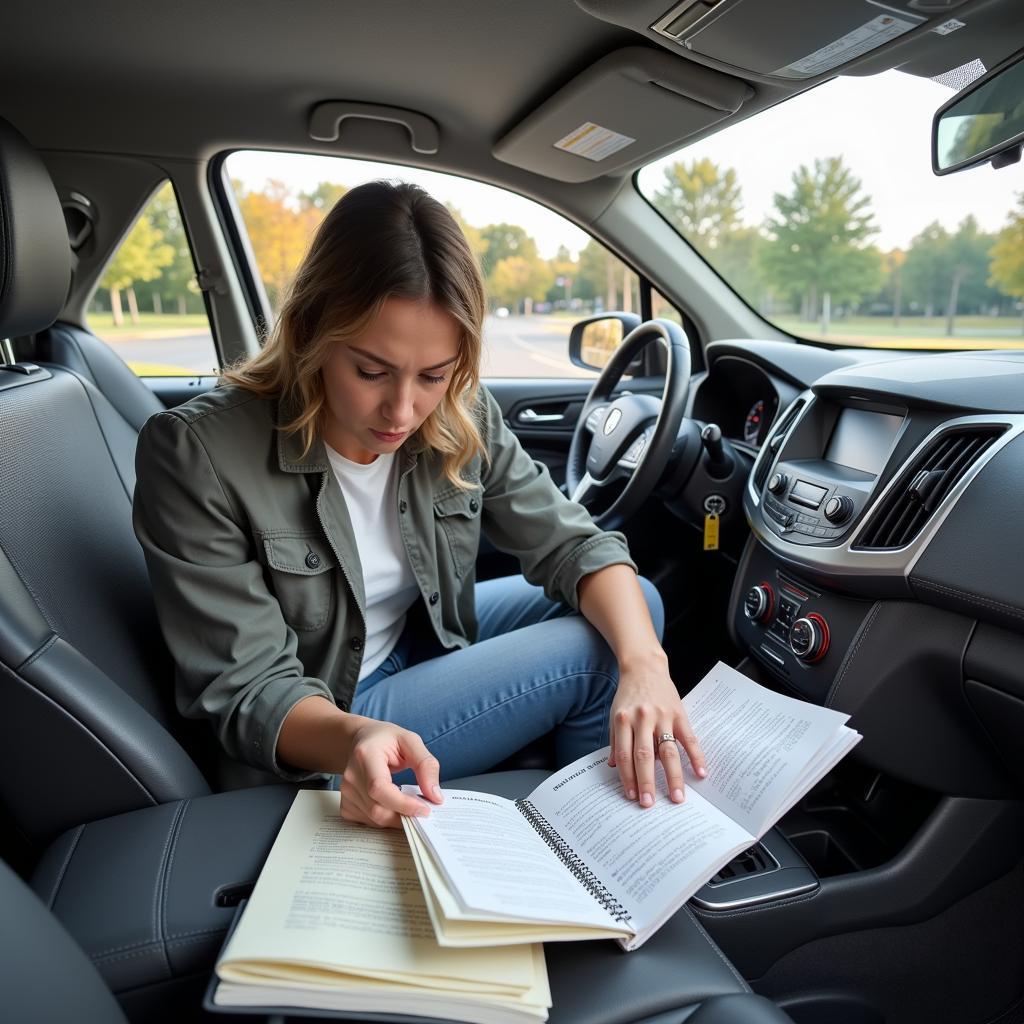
(356, 643)
(402, 506)
(312, 560)
(473, 505)
(435, 597)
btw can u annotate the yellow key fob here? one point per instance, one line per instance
(711, 531)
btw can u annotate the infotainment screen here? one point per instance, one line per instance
(862, 440)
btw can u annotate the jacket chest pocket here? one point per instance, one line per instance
(458, 515)
(301, 577)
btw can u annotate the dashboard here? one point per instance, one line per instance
(742, 398)
(882, 570)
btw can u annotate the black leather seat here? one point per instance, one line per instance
(88, 727)
(80, 350)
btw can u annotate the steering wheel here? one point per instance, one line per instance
(630, 437)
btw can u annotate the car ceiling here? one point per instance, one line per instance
(191, 78)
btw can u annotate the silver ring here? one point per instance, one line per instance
(666, 737)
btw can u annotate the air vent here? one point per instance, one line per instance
(772, 446)
(924, 485)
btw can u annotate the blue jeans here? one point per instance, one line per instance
(536, 666)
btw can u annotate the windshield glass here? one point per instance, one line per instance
(824, 214)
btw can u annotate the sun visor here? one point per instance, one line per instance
(621, 112)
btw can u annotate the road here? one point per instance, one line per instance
(515, 346)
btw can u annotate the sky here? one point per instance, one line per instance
(881, 125)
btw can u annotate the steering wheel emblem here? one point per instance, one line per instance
(612, 421)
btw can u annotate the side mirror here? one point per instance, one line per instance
(592, 341)
(983, 122)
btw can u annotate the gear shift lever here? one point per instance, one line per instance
(718, 461)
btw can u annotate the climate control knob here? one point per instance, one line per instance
(838, 509)
(808, 638)
(759, 602)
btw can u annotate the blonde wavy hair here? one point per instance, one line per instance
(381, 240)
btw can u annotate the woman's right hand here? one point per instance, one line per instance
(368, 794)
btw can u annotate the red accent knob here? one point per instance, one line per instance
(822, 649)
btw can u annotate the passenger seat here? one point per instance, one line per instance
(88, 725)
(81, 351)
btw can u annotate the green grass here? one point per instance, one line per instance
(912, 332)
(103, 324)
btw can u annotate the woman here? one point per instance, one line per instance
(311, 531)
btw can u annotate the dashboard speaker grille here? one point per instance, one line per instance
(774, 443)
(924, 484)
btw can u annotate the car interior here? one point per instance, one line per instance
(867, 499)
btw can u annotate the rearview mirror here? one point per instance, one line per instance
(592, 341)
(983, 122)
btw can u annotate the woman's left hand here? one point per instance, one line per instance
(647, 706)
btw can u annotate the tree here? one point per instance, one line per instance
(925, 272)
(504, 240)
(602, 275)
(738, 259)
(178, 280)
(141, 257)
(322, 198)
(818, 238)
(280, 233)
(564, 270)
(894, 261)
(949, 271)
(1006, 270)
(968, 258)
(701, 201)
(473, 235)
(516, 280)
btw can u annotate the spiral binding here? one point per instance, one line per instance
(571, 860)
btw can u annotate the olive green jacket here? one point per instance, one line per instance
(256, 574)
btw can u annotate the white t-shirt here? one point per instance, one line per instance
(371, 495)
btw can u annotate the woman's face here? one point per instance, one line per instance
(382, 386)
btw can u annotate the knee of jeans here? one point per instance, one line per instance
(654, 605)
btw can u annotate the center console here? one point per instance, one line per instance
(855, 482)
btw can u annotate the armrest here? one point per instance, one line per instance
(150, 895)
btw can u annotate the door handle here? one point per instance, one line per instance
(532, 416)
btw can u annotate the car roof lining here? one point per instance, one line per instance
(247, 73)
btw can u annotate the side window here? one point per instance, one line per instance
(662, 309)
(541, 272)
(147, 305)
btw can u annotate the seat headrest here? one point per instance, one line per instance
(35, 256)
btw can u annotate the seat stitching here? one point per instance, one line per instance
(848, 661)
(88, 732)
(158, 888)
(167, 873)
(38, 652)
(970, 598)
(195, 935)
(721, 956)
(99, 426)
(28, 586)
(151, 947)
(64, 867)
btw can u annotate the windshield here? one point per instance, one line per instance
(824, 214)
